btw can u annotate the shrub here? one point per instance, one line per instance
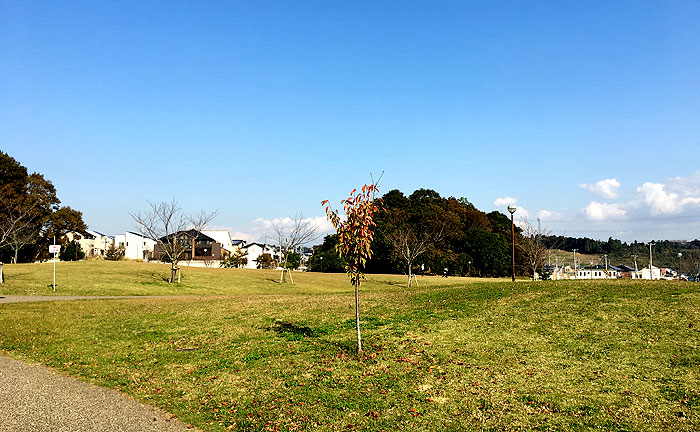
(114, 253)
(71, 252)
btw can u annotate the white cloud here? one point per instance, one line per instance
(596, 211)
(545, 214)
(261, 230)
(500, 202)
(522, 217)
(672, 197)
(605, 188)
(247, 237)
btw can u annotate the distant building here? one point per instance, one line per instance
(197, 246)
(627, 272)
(223, 237)
(93, 243)
(597, 272)
(654, 274)
(136, 246)
(254, 250)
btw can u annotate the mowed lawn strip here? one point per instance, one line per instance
(96, 277)
(483, 356)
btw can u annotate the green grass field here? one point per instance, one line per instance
(242, 352)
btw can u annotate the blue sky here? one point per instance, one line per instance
(584, 113)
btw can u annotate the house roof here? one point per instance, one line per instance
(625, 268)
(192, 233)
(601, 267)
(263, 246)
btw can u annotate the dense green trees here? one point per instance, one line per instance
(326, 258)
(665, 251)
(456, 236)
(30, 215)
(71, 251)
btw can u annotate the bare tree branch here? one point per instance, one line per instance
(409, 244)
(165, 223)
(17, 223)
(292, 236)
(533, 246)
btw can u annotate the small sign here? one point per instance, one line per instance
(54, 249)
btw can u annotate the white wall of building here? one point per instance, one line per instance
(655, 273)
(221, 236)
(135, 245)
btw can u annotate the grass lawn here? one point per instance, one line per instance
(95, 277)
(246, 353)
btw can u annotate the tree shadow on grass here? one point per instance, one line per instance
(293, 331)
(346, 347)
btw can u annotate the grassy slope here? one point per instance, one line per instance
(133, 278)
(482, 356)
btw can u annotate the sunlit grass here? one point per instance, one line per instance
(575, 355)
(97, 277)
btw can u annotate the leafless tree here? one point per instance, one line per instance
(410, 242)
(18, 225)
(290, 236)
(533, 245)
(165, 223)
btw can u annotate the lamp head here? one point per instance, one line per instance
(512, 208)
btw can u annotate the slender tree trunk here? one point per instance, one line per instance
(173, 272)
(357, 317)
(409, 274)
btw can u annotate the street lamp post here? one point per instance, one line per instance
(651, 259)
(321, 258)
(636, 271)
(679, 265)
(575, 275)
(512, 209)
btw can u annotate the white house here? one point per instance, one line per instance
(93, 243)
(224, 237)
(655, 273)
(254, 250)
(597, 272)
(135, 245)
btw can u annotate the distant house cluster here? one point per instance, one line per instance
(600, 271)
(202, 248)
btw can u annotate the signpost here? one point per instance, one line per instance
(54, 249)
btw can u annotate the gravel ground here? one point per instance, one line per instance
(33, 398)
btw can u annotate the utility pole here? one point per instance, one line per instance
(575, 275)
(511, 209)
(651, 274)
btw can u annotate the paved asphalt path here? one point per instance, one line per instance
(33, 398)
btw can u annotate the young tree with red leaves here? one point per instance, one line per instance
(355, 236)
